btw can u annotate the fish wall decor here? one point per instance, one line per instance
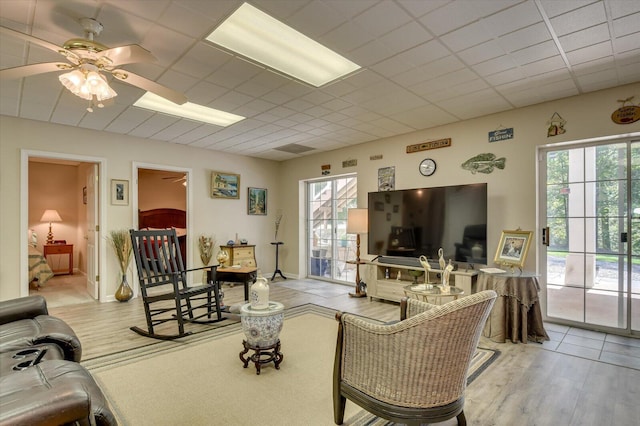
(484, 163)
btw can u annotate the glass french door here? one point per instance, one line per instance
(590, 201)
(329, 247)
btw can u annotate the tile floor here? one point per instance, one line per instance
(609, 348)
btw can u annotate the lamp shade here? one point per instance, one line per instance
(357, 221)
(51, 216)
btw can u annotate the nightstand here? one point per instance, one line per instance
(242, 254)
(63, 249)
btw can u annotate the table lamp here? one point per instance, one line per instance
(357, 223)
(50, 216)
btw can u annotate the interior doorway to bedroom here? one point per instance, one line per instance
(162, 201)
(65, 269)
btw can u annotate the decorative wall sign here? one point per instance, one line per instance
(484, 163)
(326, 169)
(387, 179)
(501, 134)
(375, 157)
(349, 163)
(556, 125)
(626, 114)
(424, 146)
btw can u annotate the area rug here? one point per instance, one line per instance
(201, 380)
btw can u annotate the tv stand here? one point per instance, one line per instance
(380, 287)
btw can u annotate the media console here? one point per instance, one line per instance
(383, 281)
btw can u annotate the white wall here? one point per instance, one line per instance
(222, 218)
(512, 192)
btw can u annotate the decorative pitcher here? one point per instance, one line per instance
(259, 294)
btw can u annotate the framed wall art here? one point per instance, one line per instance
(513, 248)
(225, 185)
(119, 192)
(257, 201)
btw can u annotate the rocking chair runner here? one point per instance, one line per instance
(163, 284)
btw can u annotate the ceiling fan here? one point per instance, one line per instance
(176, 179)
(87, 59)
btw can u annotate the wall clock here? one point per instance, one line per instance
(427, 167)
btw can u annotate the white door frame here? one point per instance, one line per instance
(24, 211)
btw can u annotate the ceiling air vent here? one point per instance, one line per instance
(294, 148)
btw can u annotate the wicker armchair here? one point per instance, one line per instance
(413, 371)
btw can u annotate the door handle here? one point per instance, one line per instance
(546, 237)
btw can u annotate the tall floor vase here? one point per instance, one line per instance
(124, 292)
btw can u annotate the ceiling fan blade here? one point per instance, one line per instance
(28, 70)
(150, 86)
(130, 54)
(31, 39)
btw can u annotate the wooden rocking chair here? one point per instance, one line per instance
(163, 284)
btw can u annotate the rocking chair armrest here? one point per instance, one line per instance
(200, 268)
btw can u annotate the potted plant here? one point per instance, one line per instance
(121, 243)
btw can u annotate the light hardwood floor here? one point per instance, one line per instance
(526, 385)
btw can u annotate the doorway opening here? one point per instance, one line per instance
(61, 253)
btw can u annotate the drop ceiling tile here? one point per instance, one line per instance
(467, 36)
(622, 8)
(596, 78)
(424, 53)
(458, 90)
(584, 38)
(482, 52)
(120, 28)
(504, 77)
(627, 43)
(554, 8)
(530, 36)
(370, 53)
(458, 13)
(535, 53)
(166, 45)
(175, 130)
(429, 115)
(407, 36)
(186, 21)
(142, 9)
(201, 60)
(153, 125)
(233, 73)
(177, 80)
(512, 19)
(315, 19)
(626, 25)
(418, 8)
(392, 66)
(590, 53)
(579, 19)
(345, 38)
(495, 65)
(131, 118)
(101, 117)
(205, 93)
(382, 18)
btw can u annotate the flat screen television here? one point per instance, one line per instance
(413, 222)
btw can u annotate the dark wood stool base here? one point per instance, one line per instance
(262, 355)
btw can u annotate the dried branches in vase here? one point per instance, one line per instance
(278, 221)
(122, 246)
(205, 245)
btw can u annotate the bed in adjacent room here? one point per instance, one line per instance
(166, 218)
(39, 270)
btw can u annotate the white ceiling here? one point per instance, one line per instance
(425, 63)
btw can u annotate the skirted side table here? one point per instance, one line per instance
(262, 328)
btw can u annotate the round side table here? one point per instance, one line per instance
(262, 328)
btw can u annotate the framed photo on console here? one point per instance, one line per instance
(513, 248)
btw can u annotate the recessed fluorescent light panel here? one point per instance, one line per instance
(187, 110)
(257, 36)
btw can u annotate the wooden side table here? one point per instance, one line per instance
(67, 249)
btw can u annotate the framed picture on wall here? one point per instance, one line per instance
(119, 192)
(513, 248)
(257, 201)
(225, 185)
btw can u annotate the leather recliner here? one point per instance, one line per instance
(41, 380)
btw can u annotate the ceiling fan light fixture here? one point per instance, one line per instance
(86, 85)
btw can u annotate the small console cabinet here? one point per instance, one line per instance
(380, 287)
(243, 254)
